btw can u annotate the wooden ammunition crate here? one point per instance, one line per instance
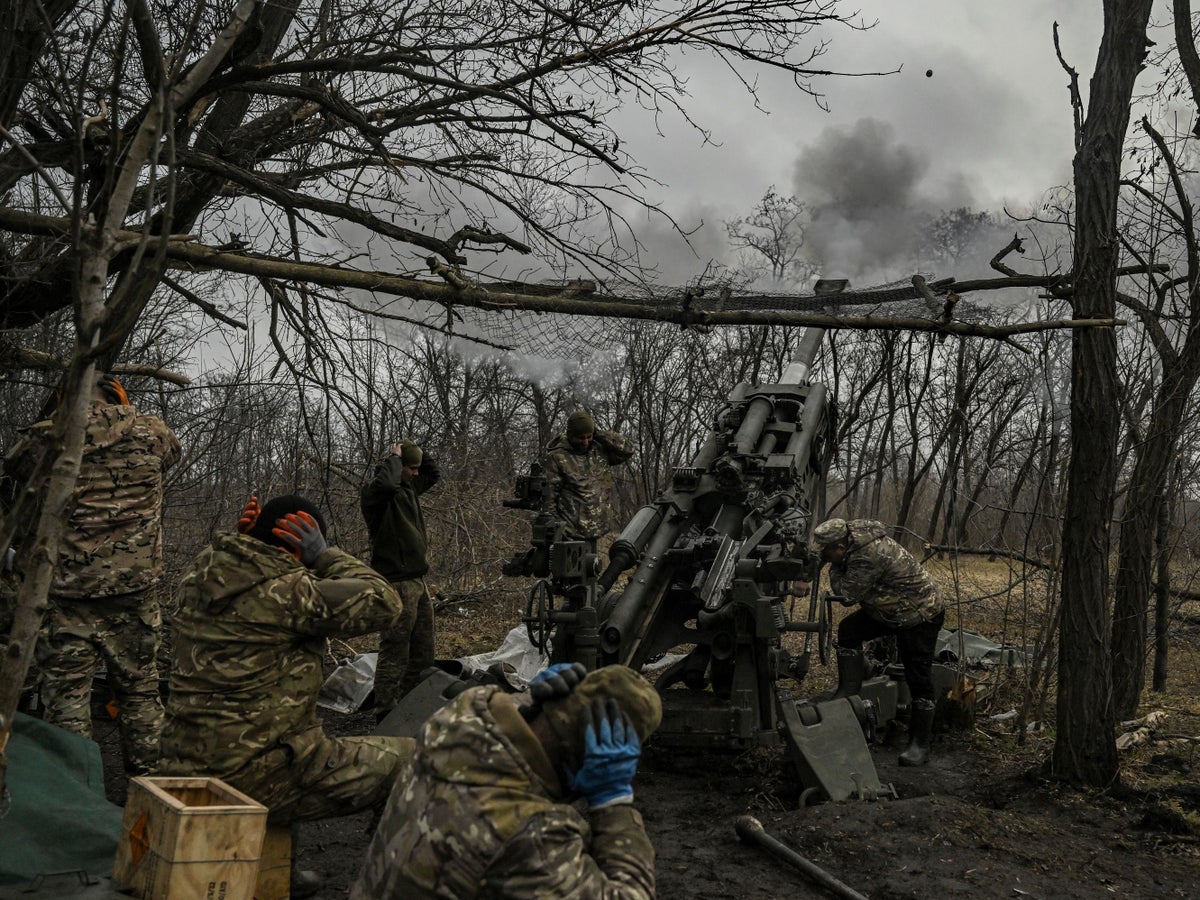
(189, 839)
(275, 867)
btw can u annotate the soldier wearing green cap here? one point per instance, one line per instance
(391, 506)
(895, 596)
(484, 807)
(578, 472)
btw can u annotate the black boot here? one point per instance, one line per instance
(920, 731)
(304, 882)
(850, 673)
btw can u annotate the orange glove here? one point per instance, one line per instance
(249, 516)
(302, 535)
(113, 390)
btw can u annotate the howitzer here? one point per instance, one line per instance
(712, 559)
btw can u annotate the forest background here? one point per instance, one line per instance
(300, 231)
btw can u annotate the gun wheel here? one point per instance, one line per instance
(538, 610)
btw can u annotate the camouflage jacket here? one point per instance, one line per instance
(480, 814)
(113, 540)
(881, 575)
(250, 636)
(581, 482)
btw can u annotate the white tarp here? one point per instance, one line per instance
(352, 681)
(976, 650)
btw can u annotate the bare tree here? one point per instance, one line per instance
(1084, 748)
(102, 320)
(773, 233)
(1169, 313)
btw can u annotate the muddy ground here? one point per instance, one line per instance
(973, 822)
(979, 821)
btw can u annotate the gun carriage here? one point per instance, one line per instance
(710, 561)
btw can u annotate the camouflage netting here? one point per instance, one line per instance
(580, 336)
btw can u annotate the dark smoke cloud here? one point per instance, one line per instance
(870, 195)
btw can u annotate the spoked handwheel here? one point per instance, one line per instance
(538, 610)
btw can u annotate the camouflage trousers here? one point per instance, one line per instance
(405, 649)
(121, 632)
(301, 780)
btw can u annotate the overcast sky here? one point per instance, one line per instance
(991, 126)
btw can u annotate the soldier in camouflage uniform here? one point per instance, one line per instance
(484, 810)
(578, 473)
(255, 612)
(391, 506)
(103, 606)
(895, 596)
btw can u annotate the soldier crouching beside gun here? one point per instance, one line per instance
(484, 808)
(896, 596)
(255, 610)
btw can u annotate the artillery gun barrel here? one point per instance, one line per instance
(800, 367)
(800, 444)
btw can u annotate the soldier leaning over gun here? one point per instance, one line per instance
(102, 605)
(579, 476)
(391, 507)
(896, 597)
(484, 809)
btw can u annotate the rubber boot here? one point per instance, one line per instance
(920, 733)
(850, 673)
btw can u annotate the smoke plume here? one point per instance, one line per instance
(871, 198)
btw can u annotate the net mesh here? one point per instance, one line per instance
(580, 336)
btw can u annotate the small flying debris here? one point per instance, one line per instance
(929, 73)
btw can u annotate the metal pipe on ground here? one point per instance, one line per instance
(751, 831)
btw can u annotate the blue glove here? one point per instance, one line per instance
(302, 535)
(611, 750)
(556, 681)
(552, 683)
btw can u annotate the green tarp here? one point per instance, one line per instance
(58, 819)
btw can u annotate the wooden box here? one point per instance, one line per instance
(189, 839)
(275, 867)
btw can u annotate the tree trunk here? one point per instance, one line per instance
(1135, 563)
(1162, 595)
(1084, 749)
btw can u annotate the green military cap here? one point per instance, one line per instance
(580, 423)
(831, 531)
(635, 695)
(410, 453)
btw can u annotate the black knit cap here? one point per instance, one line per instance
(278, 507)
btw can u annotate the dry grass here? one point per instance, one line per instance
(994, 598)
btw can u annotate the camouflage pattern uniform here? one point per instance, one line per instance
(581, 482)
(102, 606)
(250, 638)
(897, 597)
(399, 545)
(480, 813)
